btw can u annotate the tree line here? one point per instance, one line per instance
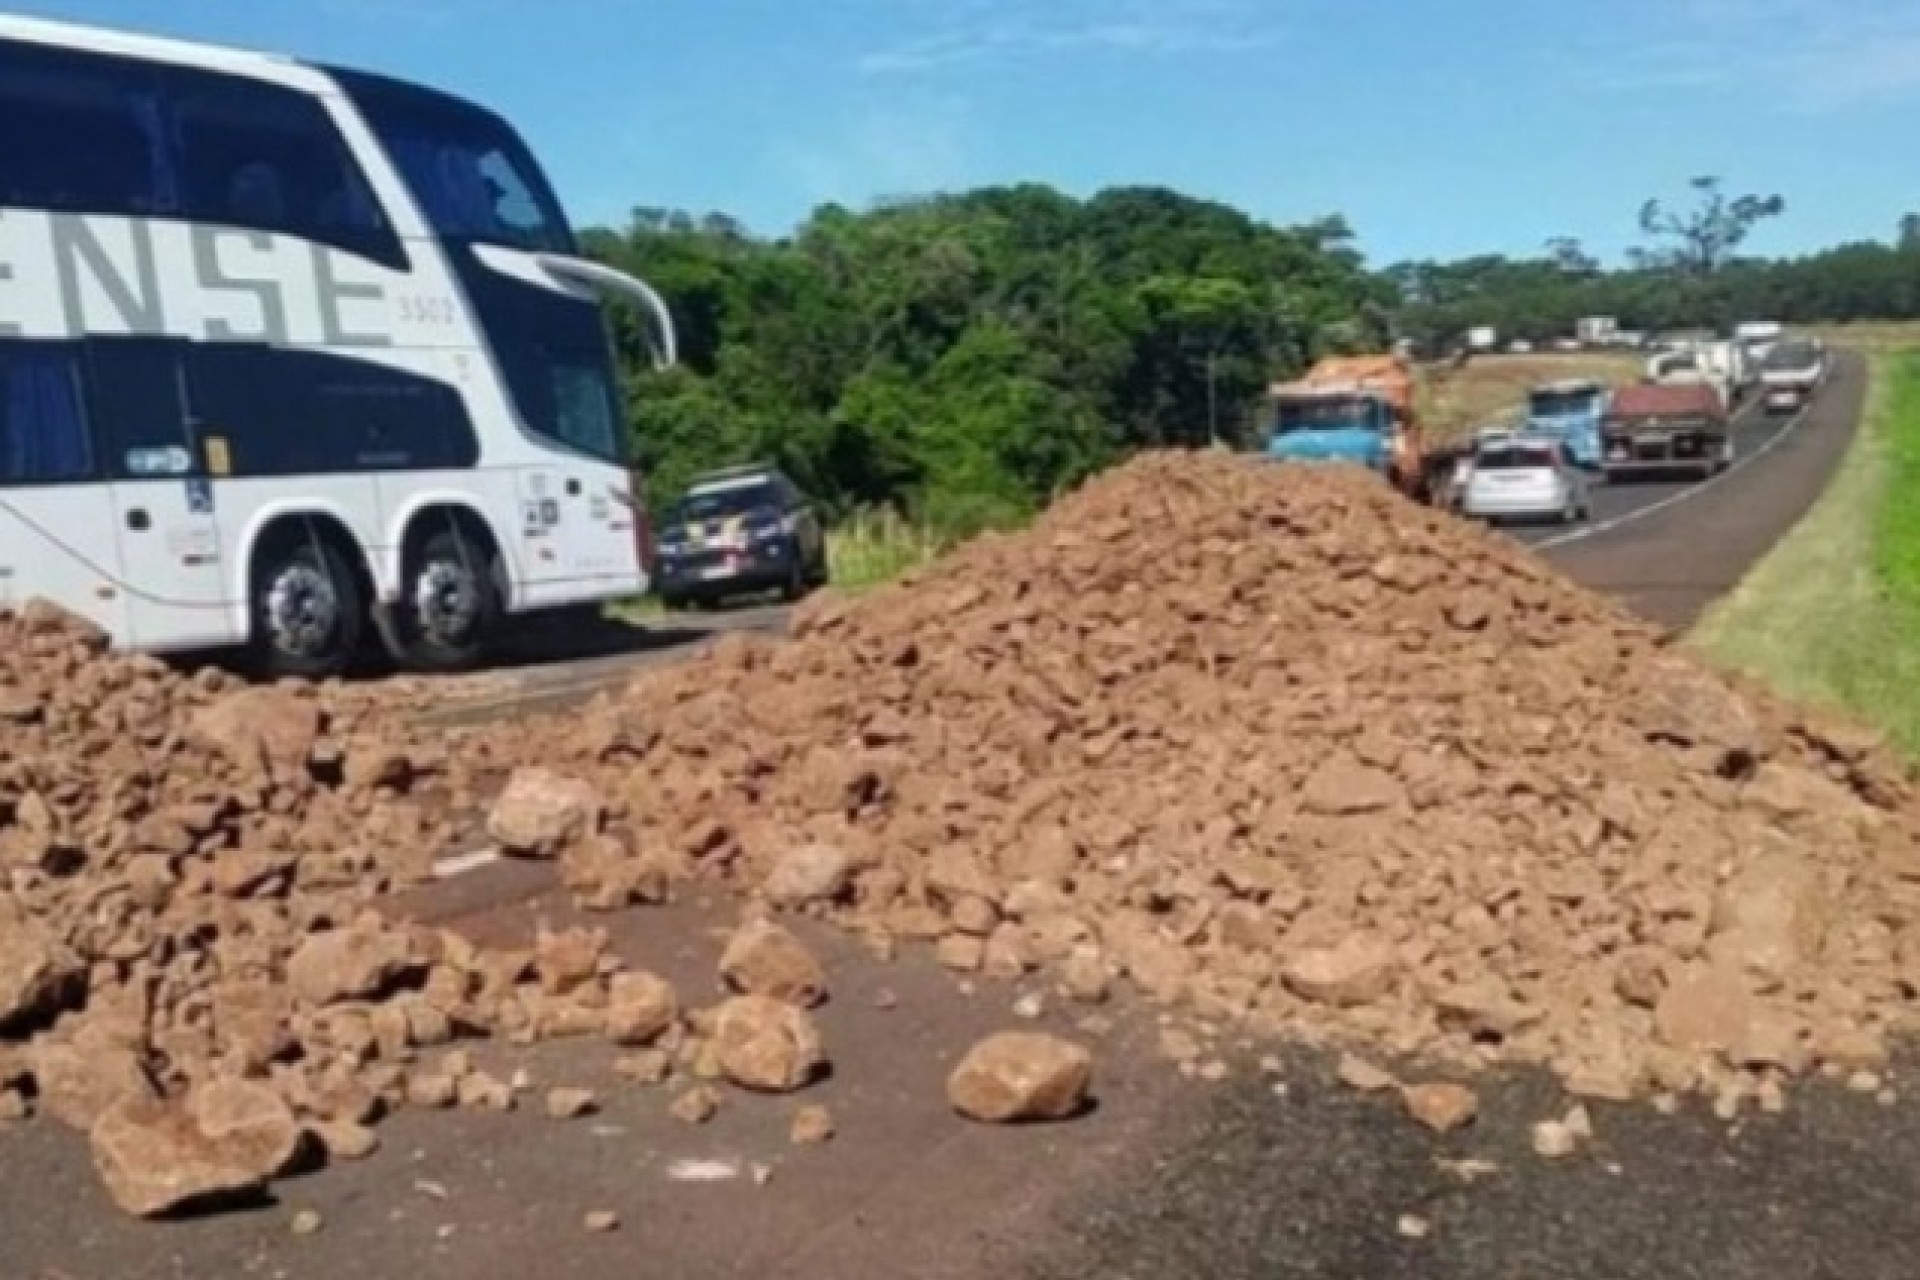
(964, 357)
(1689, 275)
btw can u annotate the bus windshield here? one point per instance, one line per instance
(471, 174)
(1326, 413)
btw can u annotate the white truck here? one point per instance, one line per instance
(1718, 363)
(1793, 371)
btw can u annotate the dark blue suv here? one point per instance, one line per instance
(740, 531)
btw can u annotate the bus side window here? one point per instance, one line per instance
(44, 435)
(289, 413)
(137, 391)
(82, 134)
(268, 158)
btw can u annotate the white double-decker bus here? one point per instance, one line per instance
(294, 358)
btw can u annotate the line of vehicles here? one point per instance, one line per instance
(1571, 435)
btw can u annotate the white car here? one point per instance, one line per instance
(1525, 477)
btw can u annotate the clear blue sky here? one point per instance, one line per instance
(1438, 127)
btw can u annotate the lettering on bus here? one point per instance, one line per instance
(107, 277)
(213, 278)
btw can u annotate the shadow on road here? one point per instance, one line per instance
(560, 639)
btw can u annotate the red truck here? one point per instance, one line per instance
(1654, 426)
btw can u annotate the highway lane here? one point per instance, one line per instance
(1616, 504)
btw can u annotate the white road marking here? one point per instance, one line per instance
(460, 864)
(1691, 491)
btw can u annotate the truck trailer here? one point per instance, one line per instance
(1664, 427)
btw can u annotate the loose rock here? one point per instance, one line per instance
(1021, 1075)
(764, 959)
(811, 1126)
(1441, 1107)
(542, 811)
(570, 1104)
(812, 873)
(697, 1105)
(766, 1044)
(1362, 1076)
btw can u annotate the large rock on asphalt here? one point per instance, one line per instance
(766, 1044)
(229, 1136)
(540, 812)
(1021, 1075)
(640, 1008)
(764, 959)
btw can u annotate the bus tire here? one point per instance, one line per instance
(449, 611)
(308, 610)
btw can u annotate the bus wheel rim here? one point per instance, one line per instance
(446, 600)
(303, 611)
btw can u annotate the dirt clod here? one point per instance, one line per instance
(766, 1044)
(1362, 1076)
(1553, 1140)
(647, 1067)
(812, 1125)
(697, 1105)
(570, 1103)
(765, 959)
(541, 812)
(1441, 1107)
(811, 873)
(1021, 1075)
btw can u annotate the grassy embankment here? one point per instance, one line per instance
(1492, 389)
(1832, 614)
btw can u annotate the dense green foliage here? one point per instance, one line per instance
(964, 357)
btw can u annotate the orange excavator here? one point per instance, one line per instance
(1357, 409)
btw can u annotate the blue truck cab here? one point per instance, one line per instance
(1571, 409)
(1332, 426)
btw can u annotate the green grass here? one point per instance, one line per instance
(875, 547)
(1832, 615)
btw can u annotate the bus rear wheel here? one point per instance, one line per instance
(307, 609)
(449, 609)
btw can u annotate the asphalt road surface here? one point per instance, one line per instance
(1263, 1175)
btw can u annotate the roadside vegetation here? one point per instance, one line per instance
(877, 545)
(1832, 614)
